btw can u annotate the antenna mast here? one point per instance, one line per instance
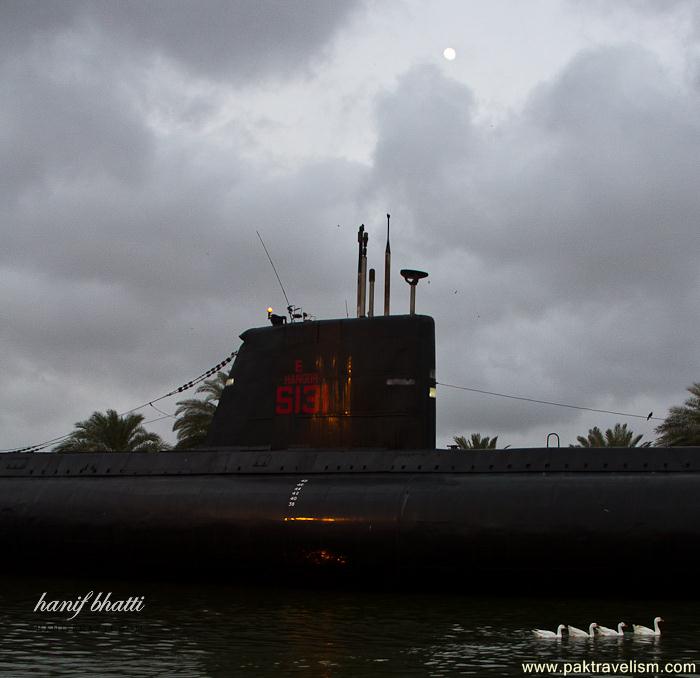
(360, 234)
(387, 268)
(272, 263)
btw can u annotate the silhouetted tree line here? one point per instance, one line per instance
(110, 432)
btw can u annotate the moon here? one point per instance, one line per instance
(449, 53)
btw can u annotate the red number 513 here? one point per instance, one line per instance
(304, 399)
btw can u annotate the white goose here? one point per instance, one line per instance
(605, 631)
(646, 631)
(549, 634)
(578, 633)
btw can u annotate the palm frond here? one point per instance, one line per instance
(681, 427)
(476, 442)
(109, 432)
(195, 414)
(618, 436)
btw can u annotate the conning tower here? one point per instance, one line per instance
(365, 382)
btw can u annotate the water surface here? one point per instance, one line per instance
(215, 629)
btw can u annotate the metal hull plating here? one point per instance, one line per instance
(523, 513)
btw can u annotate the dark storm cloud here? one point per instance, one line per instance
(598, 168)
(232, 39)
(88, 168)
(575, 225)
(425, 133)
(60, 130)
(613, 187)
(682, 16)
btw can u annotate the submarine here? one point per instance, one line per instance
(321, 465)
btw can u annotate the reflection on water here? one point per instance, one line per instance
(231, 630)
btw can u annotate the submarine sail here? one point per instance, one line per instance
(349, 383)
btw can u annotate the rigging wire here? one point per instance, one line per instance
(210, 372)
(548, 402)
(161, 411)
(274, 268)
(150, 421)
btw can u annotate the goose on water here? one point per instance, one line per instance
(549, 634)
(646, 631)
(605, 631)
(578, 633)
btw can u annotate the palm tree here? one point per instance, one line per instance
(682, 425)
(109, 432)
(616, 437)
(194, 415)
(476, 442)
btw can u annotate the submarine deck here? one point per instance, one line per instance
(232, 461)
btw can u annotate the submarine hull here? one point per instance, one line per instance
(437, 516)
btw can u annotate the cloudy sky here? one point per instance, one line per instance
(547, 178)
